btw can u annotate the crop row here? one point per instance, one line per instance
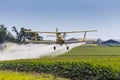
(72, 70)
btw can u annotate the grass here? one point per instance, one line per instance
(93, 51)
(10, 75)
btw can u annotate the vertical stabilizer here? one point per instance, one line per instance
(56, 30)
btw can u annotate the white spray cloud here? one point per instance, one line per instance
(29, 51)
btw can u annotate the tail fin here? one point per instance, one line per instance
(56, 29)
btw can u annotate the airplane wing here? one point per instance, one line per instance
(41, 32)
(78, 31)
(61, 32)
(44, 41)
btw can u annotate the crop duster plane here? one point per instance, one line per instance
(60, 36)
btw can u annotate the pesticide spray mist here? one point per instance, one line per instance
(12, 51)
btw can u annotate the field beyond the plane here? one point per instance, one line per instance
(93, 50)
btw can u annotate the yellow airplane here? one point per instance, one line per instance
(60, 36)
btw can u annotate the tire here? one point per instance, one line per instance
(54, 48)
(67, 47)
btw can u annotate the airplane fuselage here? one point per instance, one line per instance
(59, 38)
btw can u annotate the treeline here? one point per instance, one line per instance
(20, 35)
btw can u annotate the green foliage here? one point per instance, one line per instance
(3, 32)
(21, 35)
(5, 36)
(104, 68)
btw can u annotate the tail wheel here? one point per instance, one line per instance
(54, 48)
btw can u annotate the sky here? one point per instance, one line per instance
(67, 15)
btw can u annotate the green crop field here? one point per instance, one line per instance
(88, 50)
(88, 62)
(10, 75)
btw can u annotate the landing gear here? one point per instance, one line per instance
(54, 48)
(67, 47)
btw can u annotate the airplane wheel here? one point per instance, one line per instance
(67, 47)
(54, 48)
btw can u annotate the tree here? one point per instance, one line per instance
(18, 38)
(9, 37)
(3, 32)
(5, 36)
(21, 35)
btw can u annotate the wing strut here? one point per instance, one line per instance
(35, 36)
(84, 36)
